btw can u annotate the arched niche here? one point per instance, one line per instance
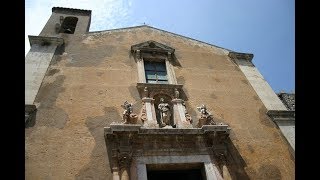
(167, 99)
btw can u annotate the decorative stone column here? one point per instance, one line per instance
(171, 76)
(151, 120)
(116, 175)
(140, 64)
(179, 112)
(124, 161)
(225, 171)
(222, 161)
(119, 140)
(115, 166)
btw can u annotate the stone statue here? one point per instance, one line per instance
(143, 113)
(127, 115)
(203, 110)
(188, 117)
(145, 92)
(206, 118)
(176, 93)
(165, 114)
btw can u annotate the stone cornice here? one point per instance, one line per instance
(160, 86)
(138, 129)
(163, 31)
(154, 89)
(281, 115)
(237, 55)
(45, 41)
(125, 141)
(71, 11)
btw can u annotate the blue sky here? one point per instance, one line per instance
(265, 28)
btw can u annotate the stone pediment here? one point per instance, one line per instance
(152, 46)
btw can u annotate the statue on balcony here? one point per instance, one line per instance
(206, 118)
(127, 115)
(165, 113)
(145, 92)
(188, 116)
(176, 93)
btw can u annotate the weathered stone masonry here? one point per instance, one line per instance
(76, 82)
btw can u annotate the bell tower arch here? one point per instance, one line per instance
(67, 21)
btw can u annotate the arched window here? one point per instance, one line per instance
(69, 25)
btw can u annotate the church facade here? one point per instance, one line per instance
(142, 103)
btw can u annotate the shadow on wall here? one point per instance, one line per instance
(48, 114)
(175, 61)
(236, 166)
(98, 167)
(235, 163)
(137, 105)
(57, 55)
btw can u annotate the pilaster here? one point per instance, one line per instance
(258, 83)
(37, 62)
(151, 120)
(179, 114)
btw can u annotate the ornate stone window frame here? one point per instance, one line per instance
(153, 51)
(157, 52)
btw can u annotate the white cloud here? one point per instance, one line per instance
(106, 14)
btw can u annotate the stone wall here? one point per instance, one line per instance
(85, 86)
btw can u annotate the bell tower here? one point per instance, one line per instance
(61, 26)
(67, 21)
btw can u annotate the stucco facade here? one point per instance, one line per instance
(89, 76)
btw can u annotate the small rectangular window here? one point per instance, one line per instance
(155, 72)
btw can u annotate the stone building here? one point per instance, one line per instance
(143, 103)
